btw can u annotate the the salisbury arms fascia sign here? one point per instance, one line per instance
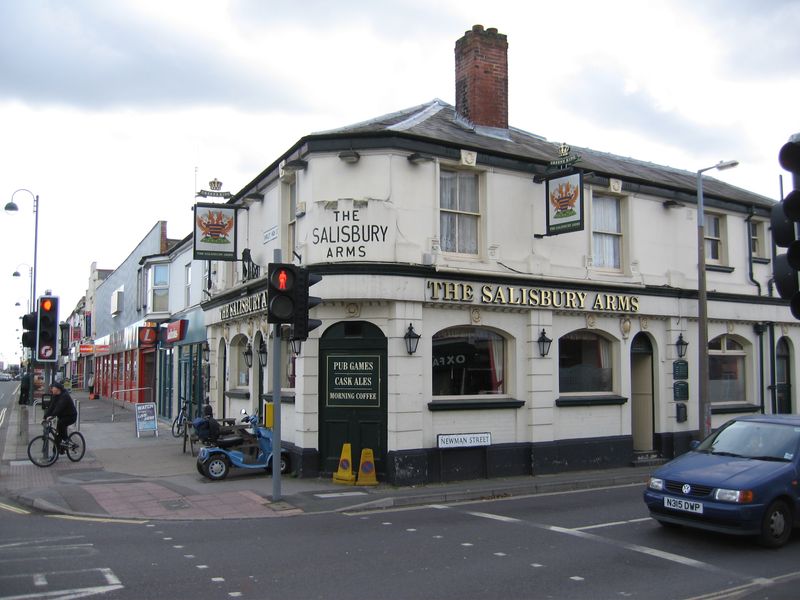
(531, 297)
(242, 307)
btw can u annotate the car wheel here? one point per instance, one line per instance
(776, 526)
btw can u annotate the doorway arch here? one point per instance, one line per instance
(642, 396)
(352, 393)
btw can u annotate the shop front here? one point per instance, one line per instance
(125, 363)
(183, 368)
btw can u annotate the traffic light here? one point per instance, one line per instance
(282, 279)
(47, 329)
(783, 219)
(304, 302)
(29, 335)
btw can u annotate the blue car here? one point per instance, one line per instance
(742, 480)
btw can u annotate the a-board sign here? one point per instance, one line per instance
(146, 418)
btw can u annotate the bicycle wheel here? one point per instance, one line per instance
(179, 425)
(76, 446)
(43, 450)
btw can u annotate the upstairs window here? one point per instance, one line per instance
(158, 285)
(714, 232)
(291, 237)
(459, 212)
(606, 232)
(187, 284)
(758, 246)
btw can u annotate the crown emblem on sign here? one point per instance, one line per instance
(215, 185)
(564, 150)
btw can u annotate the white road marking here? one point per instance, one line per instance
(2, 416)
(612, 524)
(39, 579)
(98, 519)
(14, 509)
(494, 517)
(578, 532)
(340, 494)
(217, 579)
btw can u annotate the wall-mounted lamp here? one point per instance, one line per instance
(296, 346)
(671, 204)
(248, 355)
(349, 156)
(544, 343)
(412, 339)
(680, 346)
(417, 158)
(262, 353)
(206, 352)
(295, 165)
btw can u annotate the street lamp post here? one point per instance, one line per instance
(704, 404)
(12, 207)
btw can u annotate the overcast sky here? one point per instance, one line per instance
(115, 112)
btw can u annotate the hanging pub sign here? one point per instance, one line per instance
(214, 232)
(564, 191)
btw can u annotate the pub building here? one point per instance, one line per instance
(494, 303)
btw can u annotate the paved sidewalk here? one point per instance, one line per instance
(151, 477)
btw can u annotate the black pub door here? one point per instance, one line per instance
(352, 394)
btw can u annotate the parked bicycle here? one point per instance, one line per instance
(179, 423)
(43, 450)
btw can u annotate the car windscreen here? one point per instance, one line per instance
(754, 439)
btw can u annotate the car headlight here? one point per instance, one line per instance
(737, 496)
(656, 484)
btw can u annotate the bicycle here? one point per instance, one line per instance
(179, 424)
(43, 449)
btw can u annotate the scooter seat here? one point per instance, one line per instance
(229, 441)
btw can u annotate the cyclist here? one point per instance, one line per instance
(63, 407)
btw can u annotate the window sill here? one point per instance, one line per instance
(474, 404)
(238, 394)
(730, 409)
(719, 268)
(604, 400)
(760, 260)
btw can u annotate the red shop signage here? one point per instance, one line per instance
(176, 330)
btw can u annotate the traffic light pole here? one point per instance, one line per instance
(276, 403)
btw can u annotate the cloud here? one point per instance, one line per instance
(604, 97)
(759, 39)
(99, 55)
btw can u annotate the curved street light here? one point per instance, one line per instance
(704, 403)
(11, 207)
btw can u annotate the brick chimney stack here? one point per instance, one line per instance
(482, 77)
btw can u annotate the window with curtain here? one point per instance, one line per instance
(459, 212)
(468, 361)
(606, 232)
(584, 363)
(726, 370)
